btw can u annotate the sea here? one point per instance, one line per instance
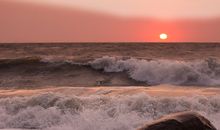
(106, 86)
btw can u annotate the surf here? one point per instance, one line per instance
(55, 111)
(108, 71)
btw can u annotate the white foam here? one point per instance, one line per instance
(206, 72)
(56, 112)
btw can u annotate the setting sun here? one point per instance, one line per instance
(163, 36)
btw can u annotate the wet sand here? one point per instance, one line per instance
(161, 90)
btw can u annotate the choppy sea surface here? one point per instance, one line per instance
(37, 66)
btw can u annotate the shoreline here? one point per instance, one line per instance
(157, 91)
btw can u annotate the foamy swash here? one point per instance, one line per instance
(109, 71)
(58, 112)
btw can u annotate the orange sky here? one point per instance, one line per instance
(51, 21)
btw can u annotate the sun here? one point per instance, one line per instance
(163, 36)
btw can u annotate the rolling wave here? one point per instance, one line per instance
(108, 71)
(154, 72)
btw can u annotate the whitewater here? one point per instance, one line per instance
(51, 111)
(202, 72)
(108, 71)
(106, 86)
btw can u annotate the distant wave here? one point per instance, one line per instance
(55, 112)
(13, 62)
(112, 71)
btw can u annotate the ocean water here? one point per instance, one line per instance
(53, 111)
(35, 66)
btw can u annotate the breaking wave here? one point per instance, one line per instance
(154, 72)
(54, 112)
(108, 71)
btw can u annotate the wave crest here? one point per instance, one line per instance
(117, 72)
(153, 72)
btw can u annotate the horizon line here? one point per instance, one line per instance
(211, 42)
